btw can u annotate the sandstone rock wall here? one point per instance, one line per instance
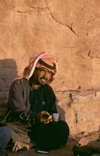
(80, 110)
(67, 29)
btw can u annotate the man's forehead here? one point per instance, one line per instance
(44, 69)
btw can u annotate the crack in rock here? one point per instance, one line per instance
(70, 27)
(71, 100)
(40, 9)
(69, 104)
(89, 54)
(75, 115)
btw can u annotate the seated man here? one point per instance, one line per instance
(31, 101)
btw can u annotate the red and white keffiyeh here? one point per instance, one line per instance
(40, 60)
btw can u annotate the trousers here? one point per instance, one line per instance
(49, 136)
(5, 137)
(45, 136)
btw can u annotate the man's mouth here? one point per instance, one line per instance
(44, 79)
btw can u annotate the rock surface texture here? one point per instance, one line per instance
(67, 29)
(89, 144)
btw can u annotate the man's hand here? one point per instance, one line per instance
(44, 117)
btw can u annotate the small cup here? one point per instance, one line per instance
(55, 117)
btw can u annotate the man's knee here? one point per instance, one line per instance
(63, 126)
(4, 132)
(63, 131)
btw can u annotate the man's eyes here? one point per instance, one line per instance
(43, 70)
(49, 72)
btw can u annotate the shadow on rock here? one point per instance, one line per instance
(88, 145)
(8, 71)
(61, 112)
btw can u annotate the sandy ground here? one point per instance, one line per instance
(63, 151)
(32, 152)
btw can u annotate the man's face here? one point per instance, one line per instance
(41, 76)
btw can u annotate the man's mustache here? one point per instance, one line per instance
(44, 78)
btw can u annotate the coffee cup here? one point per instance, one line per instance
(55, 117)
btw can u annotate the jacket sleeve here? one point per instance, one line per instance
(19, 111)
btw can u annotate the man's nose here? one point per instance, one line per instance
(46, 73)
